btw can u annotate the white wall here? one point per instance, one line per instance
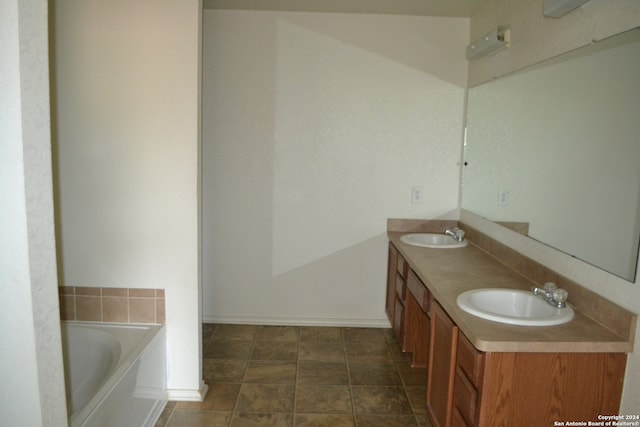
(32, 380)
(535, 38)
(316, 127)
(127, 106)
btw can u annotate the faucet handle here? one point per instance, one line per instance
(560, 296)
(456, 232)
(549, 286)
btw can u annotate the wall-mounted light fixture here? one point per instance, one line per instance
(490, 42)
(557, 8)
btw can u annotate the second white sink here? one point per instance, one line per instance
(512, 306)
(432, 240)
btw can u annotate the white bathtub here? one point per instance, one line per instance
(114, 373)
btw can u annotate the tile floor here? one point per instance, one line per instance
(303, 376)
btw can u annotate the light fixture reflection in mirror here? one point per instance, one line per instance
(555, 150)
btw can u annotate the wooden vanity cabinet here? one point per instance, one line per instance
(440, 375)
(533, 389)
(467, 387)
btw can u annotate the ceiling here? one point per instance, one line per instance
(448, 8)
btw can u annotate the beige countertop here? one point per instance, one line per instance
(449, 272)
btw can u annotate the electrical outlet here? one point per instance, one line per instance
(503, 198)
(417, 195)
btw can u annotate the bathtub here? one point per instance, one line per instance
(114, 373)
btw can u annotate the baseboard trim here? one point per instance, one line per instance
(188, 395)
(155, 413)
(296, 321)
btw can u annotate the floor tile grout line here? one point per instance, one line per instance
(295, 383)
(244, 373)
(348, 367)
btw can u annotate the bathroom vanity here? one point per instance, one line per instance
(484, 373)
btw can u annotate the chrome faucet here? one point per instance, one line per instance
(552, 294)
(455, 232)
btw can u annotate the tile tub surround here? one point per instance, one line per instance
(303, 376)
(121, 305)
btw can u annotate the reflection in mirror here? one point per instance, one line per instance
(554, 151)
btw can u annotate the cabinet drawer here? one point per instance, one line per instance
(401, 288)
(403, 267)
(465, 397)
(419, 291)
(470, 361)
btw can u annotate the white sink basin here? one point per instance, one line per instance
(513, 306)
(432, 240)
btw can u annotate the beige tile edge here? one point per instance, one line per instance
(112, 305)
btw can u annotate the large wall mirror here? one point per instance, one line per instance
(553, 151)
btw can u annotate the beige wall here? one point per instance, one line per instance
(127, 108)
(535, 38)
(316, 127)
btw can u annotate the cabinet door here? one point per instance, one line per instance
(457, 420)
(398, 320)
(444, 338)
(399, 312)
(417, 323)
(391, 282)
